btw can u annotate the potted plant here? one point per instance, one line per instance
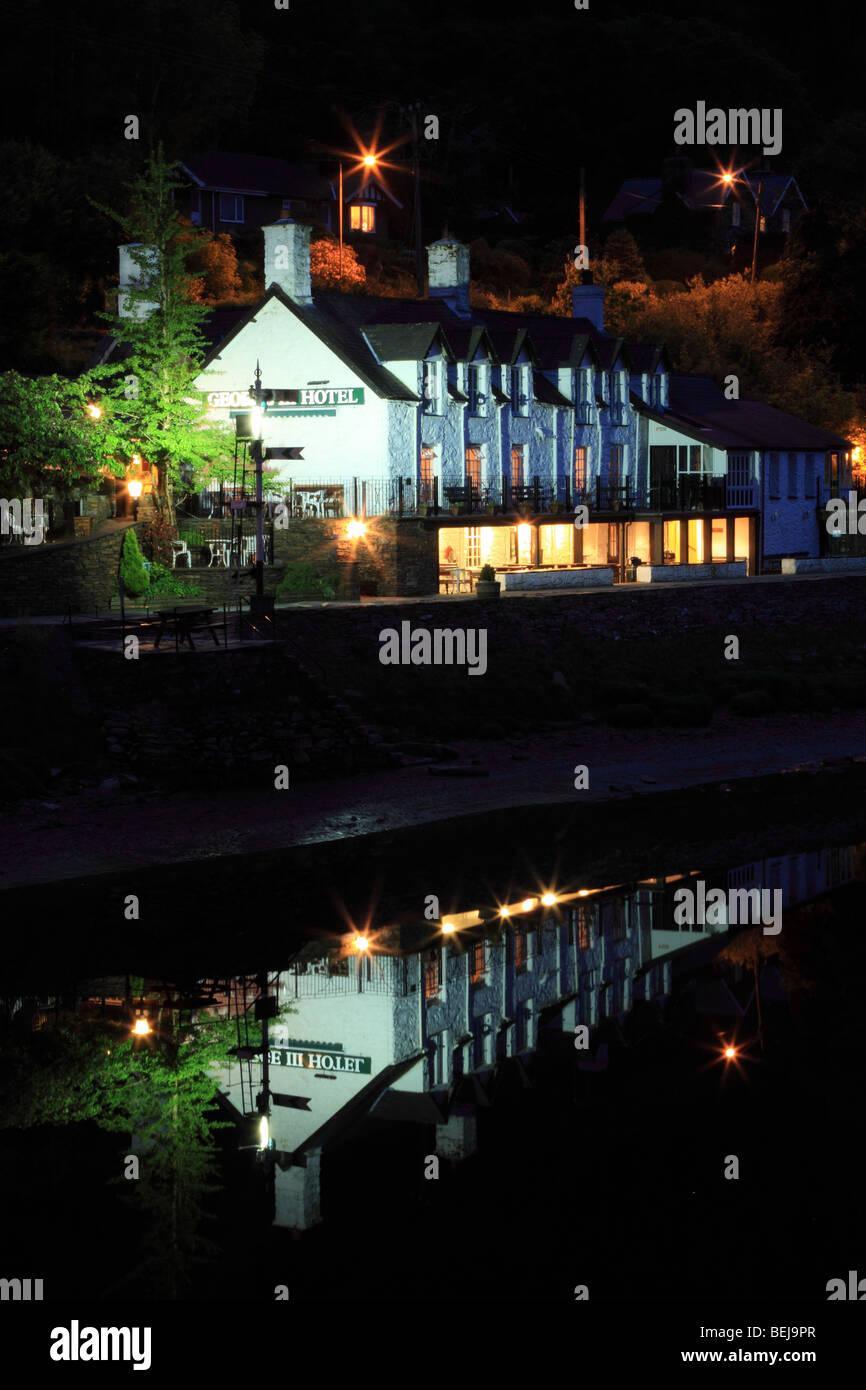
(488, 585)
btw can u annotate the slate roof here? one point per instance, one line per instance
(744, 424)
(641, 197)
(257, 174)
(546, 392)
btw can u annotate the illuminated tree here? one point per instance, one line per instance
(48, 438)
(158, 1092)
(161, 346)
(325, 266)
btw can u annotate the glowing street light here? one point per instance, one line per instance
(134, 487)
(549, 899)
(94, 411)
(264, 1133)
(356, 529)
(527, 905)
(361, 943)
(448, 927)
(369, 160)
(141, 1027)
(505, 912)
(730, 1053)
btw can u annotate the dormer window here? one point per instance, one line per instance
(432, 389)
(474, 391)
(362, 217)
(518, 391)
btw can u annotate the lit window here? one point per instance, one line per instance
(478, 964)
(231, 207)
(472, 546)
(473, 466)
(427, 471)
(433, 976)
(517, 465)
(521, 953)
(579, 471)
(362, 217)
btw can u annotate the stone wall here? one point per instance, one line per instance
(395, 557)
(78, 575)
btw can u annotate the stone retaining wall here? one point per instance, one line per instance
(842, 564)
(78, 575)
(719, 569)
(511, 581)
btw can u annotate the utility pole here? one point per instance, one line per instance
(257, 396)
(416, 173)
(582, 207)
(757, 229)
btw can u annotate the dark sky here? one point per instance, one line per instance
(525, 93)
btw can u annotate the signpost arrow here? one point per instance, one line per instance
(280, 452)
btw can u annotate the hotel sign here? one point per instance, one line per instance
(289, 396)
(319, 1060)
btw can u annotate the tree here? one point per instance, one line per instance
(158, 1093)
(132, 572)
(622, 255)
(48, 437)
(160, 346)
(325, 266)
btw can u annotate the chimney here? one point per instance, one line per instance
(448, 274)
(287, 258)
(587, 301)
(134, 276)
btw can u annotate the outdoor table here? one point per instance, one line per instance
(186, 621)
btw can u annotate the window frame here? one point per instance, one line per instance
(238, 199)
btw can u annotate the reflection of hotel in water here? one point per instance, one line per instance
(410, 1034)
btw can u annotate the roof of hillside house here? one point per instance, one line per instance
(257, 174)
(702, 189)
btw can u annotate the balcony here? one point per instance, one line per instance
(700, 493)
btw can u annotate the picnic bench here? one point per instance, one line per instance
(184, 622)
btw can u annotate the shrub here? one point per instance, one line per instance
(301, 578)
(165, 583)
(132, 571)
(487, 574)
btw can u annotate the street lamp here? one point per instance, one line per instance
(729, 179)
(368, 162)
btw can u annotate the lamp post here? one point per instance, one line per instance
(257, 396)
(368, 162)
(729, 178)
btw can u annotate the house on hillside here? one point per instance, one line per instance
(239, 192)
(685, 206)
